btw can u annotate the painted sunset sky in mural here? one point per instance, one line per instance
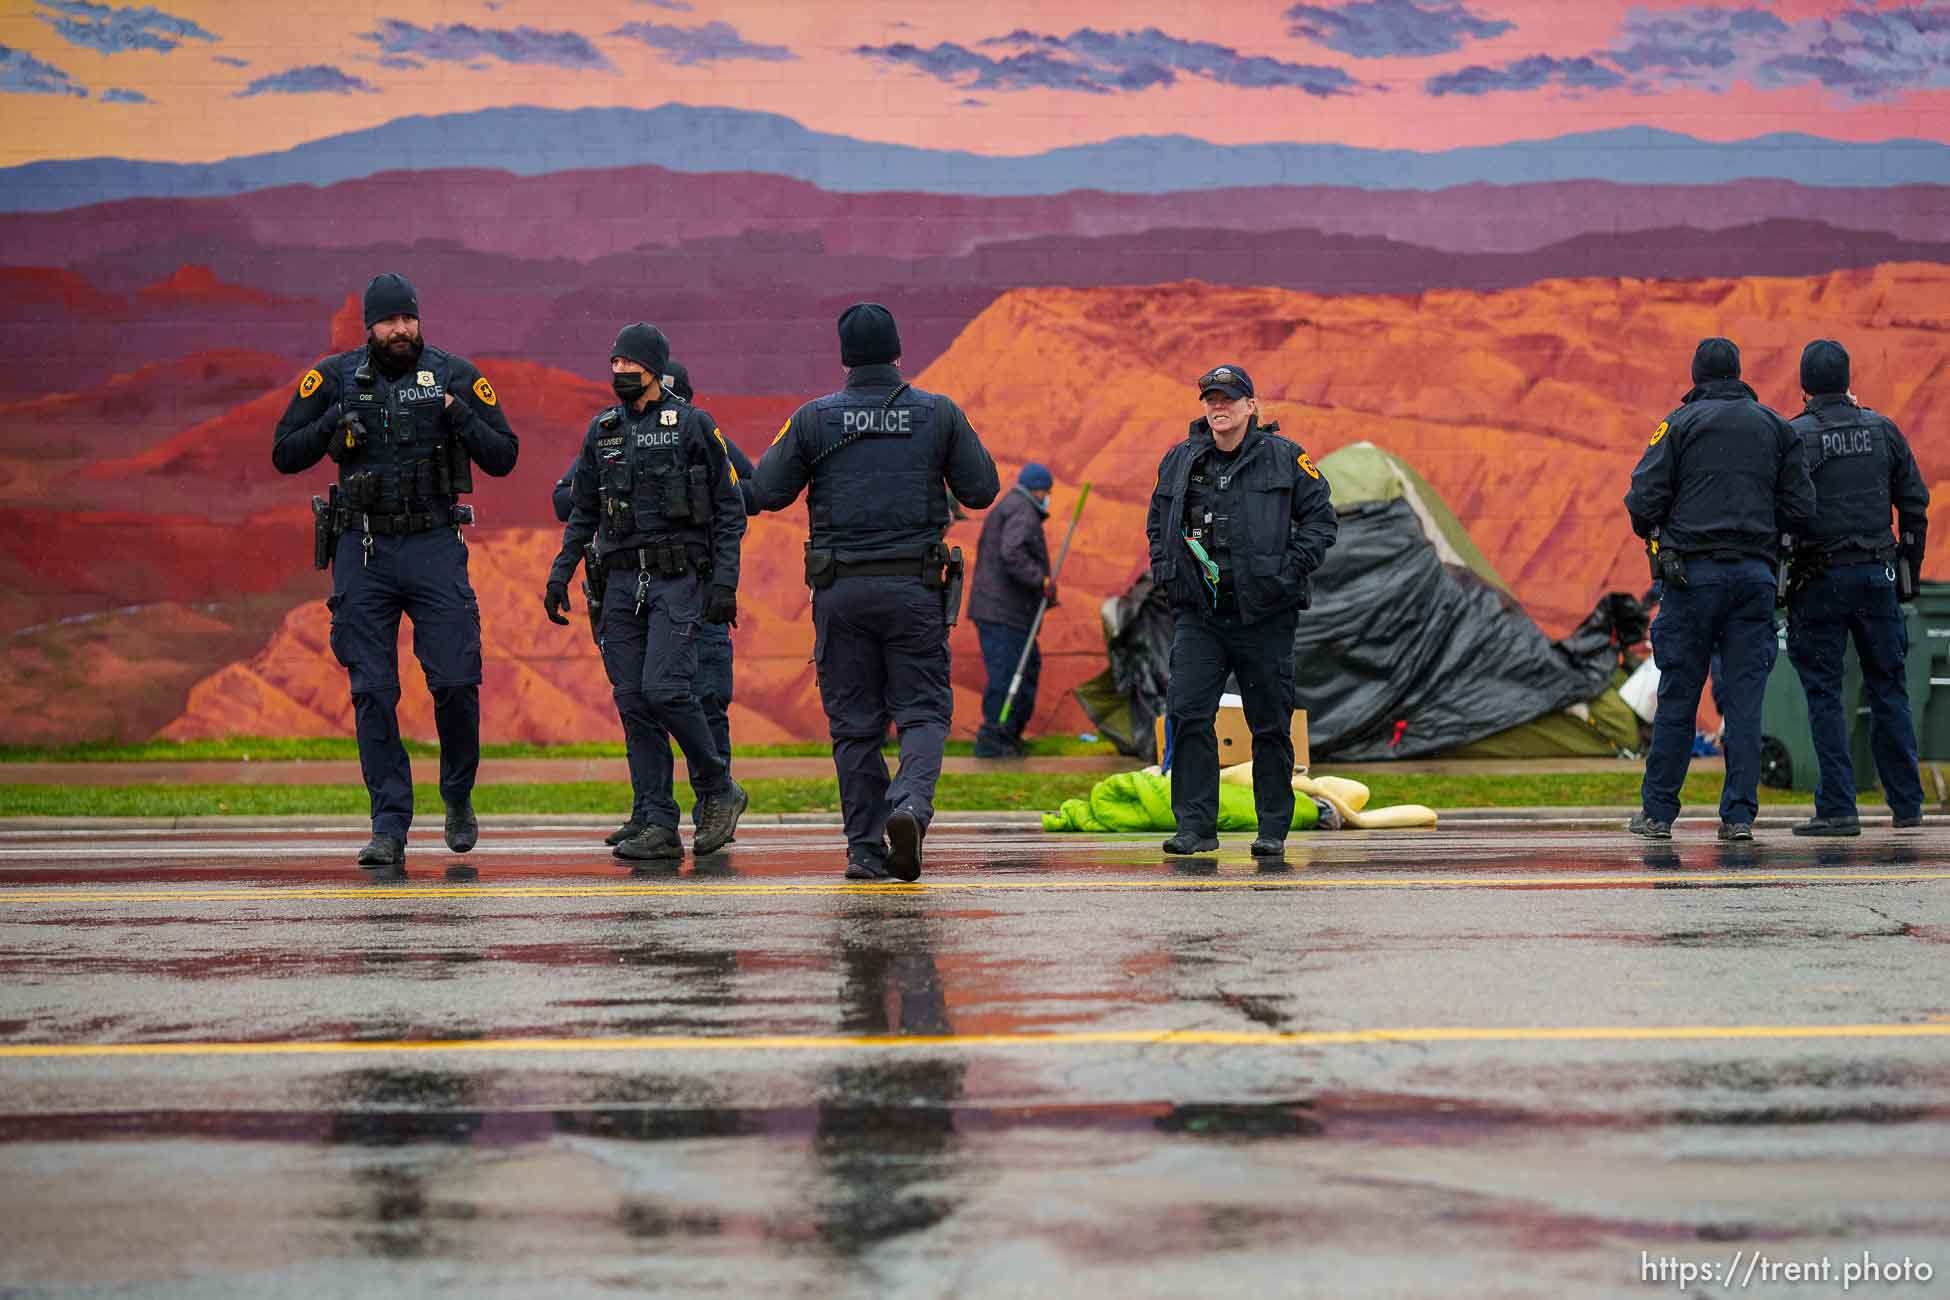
(1484, 234)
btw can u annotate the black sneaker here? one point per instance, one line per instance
(383, 851)
(904, 836)
(629, 830)
(1907, 823)
(1265, 847)
(1830, 827)
(463, 827)
(717, 820)
(652, 844)
(1736, 830)
(1185, 844)
(1641, 824)
(865, 868)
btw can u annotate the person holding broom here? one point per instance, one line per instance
(1012, 577)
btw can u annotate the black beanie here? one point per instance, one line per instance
(677, 379)
(1824, 368)
(644, 344)
(868, 336)
(1715, 359)
(390, 295)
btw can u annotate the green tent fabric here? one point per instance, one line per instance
(1141, 801)
(1362, 472)
(1601, 727)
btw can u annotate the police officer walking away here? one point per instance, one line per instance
(1012, 577)
(1239, 522)
(405, 423)
(873, 458)
(714, 659)
(1849, 574)
(654, 488)
(1721, 480)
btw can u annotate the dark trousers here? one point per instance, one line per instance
(1002, 648)
(1859, 601)
(1204, 650)
(423, 576)
(881, 648)
(1727, 609)
(714, 693)
(650, 654)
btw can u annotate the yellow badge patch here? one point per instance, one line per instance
(668, 420)
(731, 468)
(1306, 463)
(484, 390)
(781, 433)
(1659, 433)
(309, 384)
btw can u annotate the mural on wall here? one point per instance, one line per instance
(1484, 234)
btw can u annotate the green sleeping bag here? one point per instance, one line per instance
(1141, 801)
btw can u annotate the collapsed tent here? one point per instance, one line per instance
(1413, 647)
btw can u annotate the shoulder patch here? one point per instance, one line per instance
(484, 390)
(1306, 462)
(729, 467)
(1659, 432)
(781, 433)
(309, 384)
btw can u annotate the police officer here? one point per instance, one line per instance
(405, 423)
(1239, 522)
(1721, 480)
(1849, 573)
(873, 458)
(1012, 577)
(714, 666)
(653, 486)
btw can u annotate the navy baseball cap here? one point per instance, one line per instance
(1233, 381)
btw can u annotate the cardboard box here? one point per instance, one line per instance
(1236, 738)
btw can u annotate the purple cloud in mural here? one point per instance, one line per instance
(674, 6)
(1533, 73)
(1377, 29)
(117, 95)
(463, 43)
(115, 30)
(705, 43)
(401, 62)
(227, 61)
(23, 74)
(1861, 53)
(1107, 62)
(313, 79)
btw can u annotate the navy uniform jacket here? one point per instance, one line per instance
(1723, 475)
(1281, 536)
(1011, 562)
(1861, 466)
(312, 418)
(564, 498)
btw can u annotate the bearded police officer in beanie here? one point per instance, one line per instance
(714, 658)
(1012, 578)
(405, 423)
(1849, 575)
(1239, 522)
(1721, 480)
(655, 489)
(873, 459)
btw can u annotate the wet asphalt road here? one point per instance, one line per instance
(1486, 1061)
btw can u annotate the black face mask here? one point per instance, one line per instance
(628, 385)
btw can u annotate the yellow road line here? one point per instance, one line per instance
(1087, 1038)
(699, 889)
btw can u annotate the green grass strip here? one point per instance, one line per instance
(273, 749)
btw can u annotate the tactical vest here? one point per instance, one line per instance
(409, 461)
(1848, 454)
(876, 489)
(652, 483)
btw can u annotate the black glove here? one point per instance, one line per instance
(556, 602)
(343, 433)
(721, 605)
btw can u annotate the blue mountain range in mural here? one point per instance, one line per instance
(536, 141)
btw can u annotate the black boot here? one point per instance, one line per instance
(629, 830)
(904, 836)
(717, 820)
(383, 851)
(652, 844)
(1185, 844)
(463, 827)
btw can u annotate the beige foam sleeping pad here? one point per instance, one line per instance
(1349, 798)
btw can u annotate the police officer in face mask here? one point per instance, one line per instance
(1720, 481)
(1239, 522)
(873, 458)
(405, 423)
(1849, 573)
(654, 487)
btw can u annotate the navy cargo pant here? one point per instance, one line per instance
(881, 648)
(1856, 600)
(1727, 607)
(714, 693)
(424, 576)
(1205, 648)
(1002, 648)
(650, 654)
